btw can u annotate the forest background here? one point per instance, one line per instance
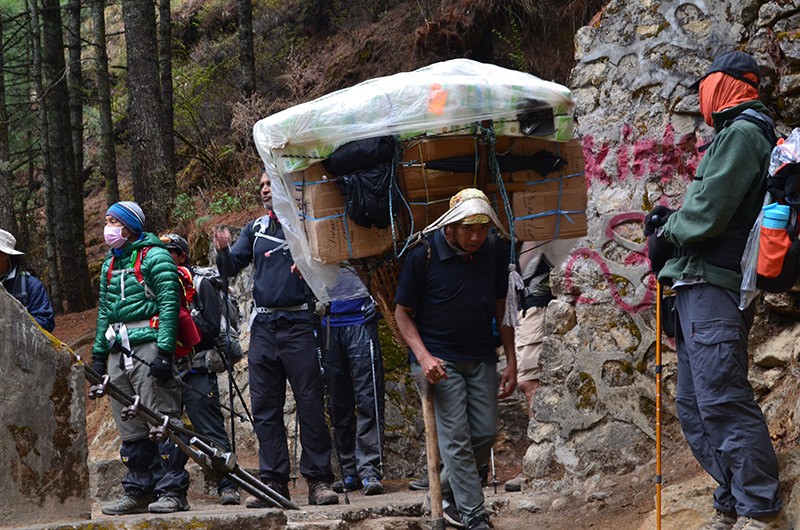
(155, 101)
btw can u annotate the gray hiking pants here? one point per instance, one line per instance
(721, 421)
(466, 424)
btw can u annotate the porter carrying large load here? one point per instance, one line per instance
(358, 173)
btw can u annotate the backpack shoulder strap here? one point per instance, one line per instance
(22, 294)
(761, 120)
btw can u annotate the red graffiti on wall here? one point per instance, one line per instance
(665, 157)
(630, 270)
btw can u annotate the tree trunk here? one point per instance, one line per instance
(7, 219)
(75, 84)
(107, 151)
(165, 54)
(68, 220)
(247, 63)
(47, 175)
(153, 183)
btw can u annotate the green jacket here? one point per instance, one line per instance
(723, 200)
(160, 275)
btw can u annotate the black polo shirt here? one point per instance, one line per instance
(455, 297)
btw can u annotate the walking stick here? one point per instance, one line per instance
(432, 453)
(375, 395)
(658, 405)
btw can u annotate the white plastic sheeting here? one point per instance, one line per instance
(450, 97)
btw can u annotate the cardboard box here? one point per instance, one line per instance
(332, 237)
(553, 206)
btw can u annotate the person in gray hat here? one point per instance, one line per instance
(22, 285)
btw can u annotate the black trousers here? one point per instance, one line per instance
(279, 351)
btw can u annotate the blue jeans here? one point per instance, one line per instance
(721, 421)
(349, 371)
(466, 424)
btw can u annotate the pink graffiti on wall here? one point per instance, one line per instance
(629, 270)
(664, 157)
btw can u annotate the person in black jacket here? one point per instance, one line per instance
(22, 285)
(283, 346)
(201, 394)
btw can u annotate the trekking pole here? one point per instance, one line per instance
(431, 452)
(658, 405)
(208, 456)
(133, 355)
(494, 470)
(375, 395)
(225, 357)
(327, 397)
(294, 447)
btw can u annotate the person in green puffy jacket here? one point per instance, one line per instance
(137, 326)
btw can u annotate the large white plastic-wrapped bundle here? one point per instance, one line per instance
(450, 97)
(433, 100)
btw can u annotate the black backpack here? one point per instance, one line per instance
(364, 171)
(227, 342)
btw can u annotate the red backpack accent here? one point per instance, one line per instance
(137, 266)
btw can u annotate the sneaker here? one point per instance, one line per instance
(128, 504)
(775, 522)
(229, 497)
(480, 523)
(515, 484)
(720, 521)
(372, 486)
(169, 503)
(319, 493)
(350, 483)
(419, 484)
(451, 515)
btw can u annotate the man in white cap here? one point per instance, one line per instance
(449, 290)
(22, 285)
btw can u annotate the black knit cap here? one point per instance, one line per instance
(735, 64)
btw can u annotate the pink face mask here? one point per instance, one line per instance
(113, 236)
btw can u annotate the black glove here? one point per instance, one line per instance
(656, 218)
(161, 367)
(99, 365)
(659, 250)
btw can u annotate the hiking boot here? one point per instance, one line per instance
(319, 493)
(372, 486)
(419, 484)
(350, 483)
(280, 488)
(720, 521)
(451, 515)
(775, 522)
(254, 502)
(229, 497)
(128, 504)
(169, 503)
(480, 523)
(515, 484)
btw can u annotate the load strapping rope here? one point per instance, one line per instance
(515, 283)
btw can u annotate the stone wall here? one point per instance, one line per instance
(641, 127)
(42, 427)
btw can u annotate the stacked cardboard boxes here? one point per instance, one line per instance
(332, 237)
